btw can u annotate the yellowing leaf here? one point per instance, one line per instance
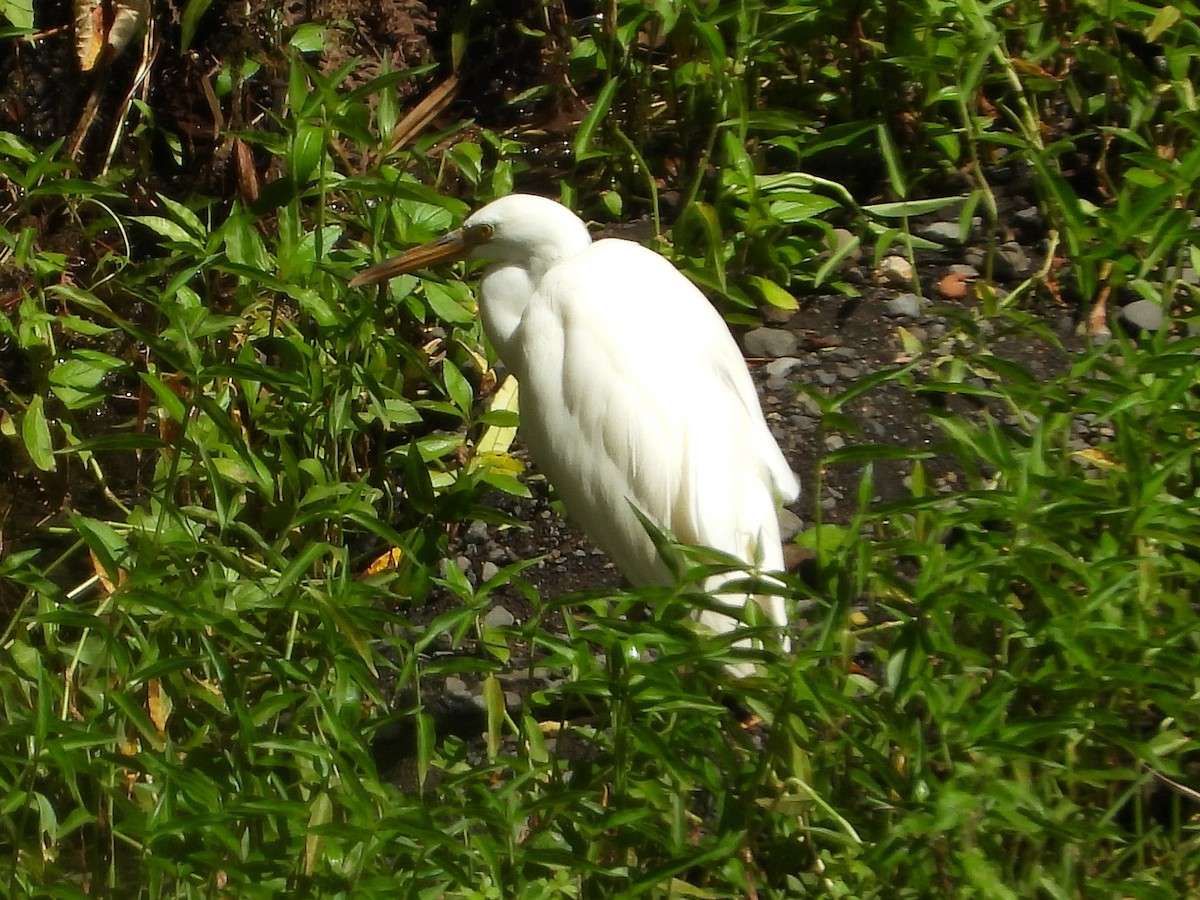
(1097, 458)
(158, 705)
(389, 560)
(498, 438)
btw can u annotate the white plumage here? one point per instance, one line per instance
(632, 390)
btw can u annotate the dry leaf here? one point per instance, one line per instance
(389, 560)
(954, 286)
(159, 705)
(105, 581)
(103, 28)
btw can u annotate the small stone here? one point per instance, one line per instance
(1029, 218)
(895, 270)
(1144, 314)
(826, 379)
(945, 233)
(477, 532)
(1012, 261)
(789, 524)
(803, 423)
(964, 270)
(841, 239)
(775, 314)
(489, 570)
(849, 373)
(779, 371)
(455, 685)
(808, 405)
(906, 304)
(463, 563)
(771, 342)
(498, 617)
(841, 353)
(834, 442)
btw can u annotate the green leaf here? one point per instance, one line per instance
(773, 293)
(587, 129)
(493, 703)
(193, 11)
(905, 208)
(457, 387)
(36, 433)
(75, 380)
(445, 306)
(19, 12)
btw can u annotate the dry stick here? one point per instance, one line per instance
(422, 114)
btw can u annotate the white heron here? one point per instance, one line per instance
(633, 392)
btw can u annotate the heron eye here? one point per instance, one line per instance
(481, 233)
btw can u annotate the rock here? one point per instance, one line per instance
(488, 570)
(498, 617)
(847, 353)
(964, 271)
(945, 233)
(1012, 261)
(1029, 218)
(775, 314)
(1144, 315)
(477, 532)
(841, 239)
(834, 442)
(771, 342)
(895, 270)
(789, 524)
(779, 372)
(906, 304)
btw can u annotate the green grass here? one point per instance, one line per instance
(994, 692)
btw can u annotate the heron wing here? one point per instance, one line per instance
(633, 391)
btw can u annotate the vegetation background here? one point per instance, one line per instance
(231, 484)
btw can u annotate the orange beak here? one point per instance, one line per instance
(448, 248)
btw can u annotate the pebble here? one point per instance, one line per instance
(1029, 218)
(842, 238)
(1143, 314)
(779, 372)
(834, 442)
(498, 617)
(790, 524)
(1012, 261)
(906, 304)
(803, 423)
(895, 270)
(771, 342)
(945, 233)
(489, 570)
